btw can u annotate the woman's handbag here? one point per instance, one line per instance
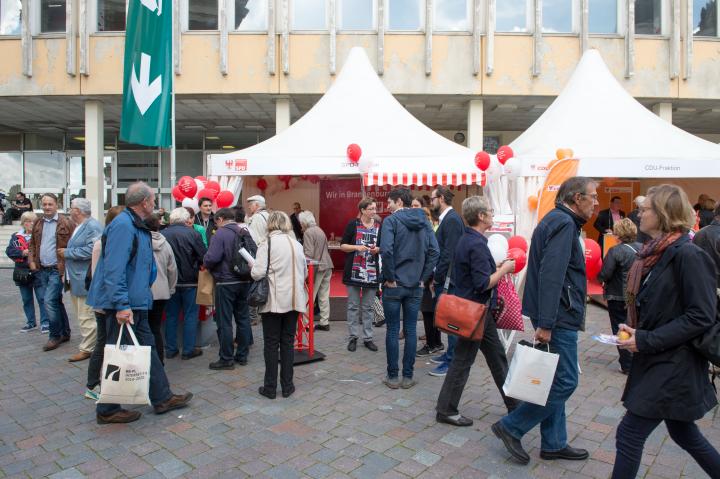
(22, 276)
(459, 316)
(508, 314)
(260, 289)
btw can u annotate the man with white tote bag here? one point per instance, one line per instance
(554, 300)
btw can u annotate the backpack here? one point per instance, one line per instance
(243, 240)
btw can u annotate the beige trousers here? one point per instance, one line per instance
(87, 323)
(321, 293)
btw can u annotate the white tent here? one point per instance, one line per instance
(396, 147)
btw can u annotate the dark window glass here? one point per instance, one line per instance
(202, 14)
(648, 17)
(705, 18)
(111, 15)
(52, 16)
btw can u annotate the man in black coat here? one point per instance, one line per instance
(295, 220)
(634, 216)
(448, 235)
(606, 219)
(708, 239)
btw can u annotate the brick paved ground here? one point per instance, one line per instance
(341, 422)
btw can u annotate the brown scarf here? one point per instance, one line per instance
(647, 258)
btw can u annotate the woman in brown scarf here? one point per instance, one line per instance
(671, 299)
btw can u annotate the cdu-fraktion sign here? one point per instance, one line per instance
(147, 77)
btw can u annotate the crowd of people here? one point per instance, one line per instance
(661, 290)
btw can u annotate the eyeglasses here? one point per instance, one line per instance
(371, 208)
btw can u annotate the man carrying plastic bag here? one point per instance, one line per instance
(121, 288)
(554, 300)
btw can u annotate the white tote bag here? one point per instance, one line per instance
(531, 374)
(126, 372)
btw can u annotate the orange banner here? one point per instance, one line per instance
(560, 171)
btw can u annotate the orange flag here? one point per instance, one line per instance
(559, 172)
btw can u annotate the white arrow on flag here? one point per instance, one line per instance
(144, 92)
(153, 5)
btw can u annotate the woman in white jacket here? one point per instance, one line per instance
(287, 298)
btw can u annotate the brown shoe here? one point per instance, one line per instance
(176, 401)
(80, 356)
(121, 417)
(64, 339)
(52, 344)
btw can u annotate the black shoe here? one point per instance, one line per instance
(322, 327)
(220, 364)
(424, 351)
(241, 362)
(288, 392)
(352, 345)
(461, 421)
(569, 453)
(195, 353)
(266, 392)
(370, 345)
(379, 324)
(513, 446)
(171, 355)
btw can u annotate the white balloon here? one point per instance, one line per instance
(191, 203)
(200, 186)
(498, 246)
(365, 164)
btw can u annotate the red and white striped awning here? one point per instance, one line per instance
(428, 179)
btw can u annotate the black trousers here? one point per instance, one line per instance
(155, 320)
(432, 334)
(459, 371)
(231, 302)
(618, 315)
(98, 354)
(634, 430)
(279, 334)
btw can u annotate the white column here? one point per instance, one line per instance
(475, 125)
(94, 162)
(663, 110)
(282, 114)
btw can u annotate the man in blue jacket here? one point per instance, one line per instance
(409, 253)
(554, 300)
(121, 288)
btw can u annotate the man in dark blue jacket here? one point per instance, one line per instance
(448, 235)
(409, 253)
(554, 300)
(231, 289)
(121, 288)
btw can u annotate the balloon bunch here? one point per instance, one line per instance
(189, 191)
(593, 258)
(514, 248)
(482, 158)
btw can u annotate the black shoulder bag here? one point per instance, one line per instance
(260, 289)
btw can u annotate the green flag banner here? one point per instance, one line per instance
(147, 77)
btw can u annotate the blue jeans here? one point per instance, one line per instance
(551, 417)
(51, 290)
(184, 298)
(452, 339)
(159, 386)
(409, 300)
(26, 293)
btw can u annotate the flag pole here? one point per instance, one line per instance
(173, 173)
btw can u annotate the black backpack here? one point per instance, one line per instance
(238, 265)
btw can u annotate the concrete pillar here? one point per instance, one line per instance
(282, 114)
(475, 125)
(663, 110)
(94, 162)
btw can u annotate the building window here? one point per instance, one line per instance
(603, 16)
(202, 14)
(648, 17)
(44, 169)
(452, 15)
(705, 18)
(511, 16)
(10, 173)
(111, 15)
(557, 16)
(44, 141)
(309, 15)
(10, 17)
(249, 15)
(356, 15)
(52, 16)
(405, 15)
(135, 166)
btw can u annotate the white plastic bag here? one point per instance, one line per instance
(126, 372)
(531, 374)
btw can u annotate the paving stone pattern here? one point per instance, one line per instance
(341, 422)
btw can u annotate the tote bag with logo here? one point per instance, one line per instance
(125, 372)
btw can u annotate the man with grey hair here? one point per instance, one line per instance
(257, 218)
(78, 254)
(635, 218)
(121, 288)
(554, 300)
(315, 246)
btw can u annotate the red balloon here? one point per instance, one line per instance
(206, 193)
(187, 186)
(354, 152)
(520, 258)
(262, 184)
(592, 270)
(213, 185)
(592, 254)
(177, 194)
(518, 242)
(201, 178)
(482, 160)
(504, 153)
(224, 199)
